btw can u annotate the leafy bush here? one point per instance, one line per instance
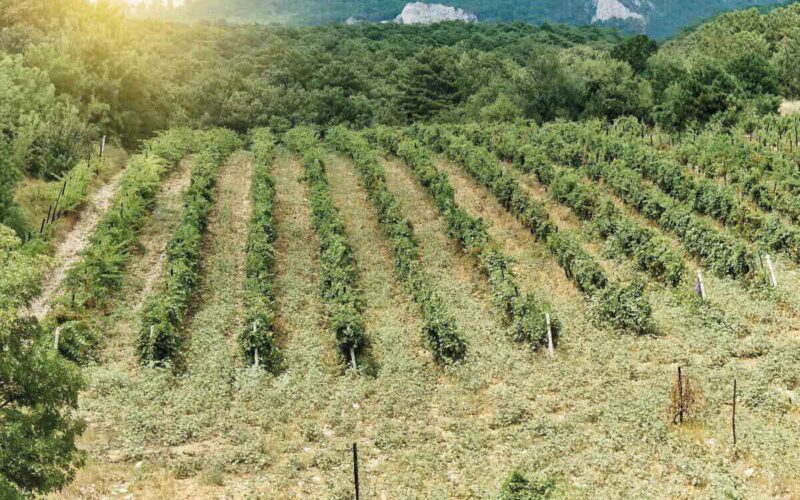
(77, 341)
(518, 487)
(439, 327)
(38, 388)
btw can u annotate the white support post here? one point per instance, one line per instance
(353, 359)
(102, 146)
(772, 279)
(57, 338)
(701, 285)
(550, 346)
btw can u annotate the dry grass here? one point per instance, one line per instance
(789, 108)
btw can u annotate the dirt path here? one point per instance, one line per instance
(68, 252)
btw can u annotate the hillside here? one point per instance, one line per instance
(460, 260)
(658, 18)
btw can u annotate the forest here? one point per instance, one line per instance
(480, 251)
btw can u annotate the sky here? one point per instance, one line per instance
(176, 3)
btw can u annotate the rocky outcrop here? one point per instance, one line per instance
(607, 10)
(424, 13)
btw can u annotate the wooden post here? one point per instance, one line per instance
(41, 231)
(102, 146)
(57, 338)
(55, 209)
(550, 346)
(700, 286)
(353, 358)
(355, 471)
(772, 279)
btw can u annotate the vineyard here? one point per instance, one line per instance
(456, 261)
(247, 307)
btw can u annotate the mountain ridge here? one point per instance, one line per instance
(657, 18)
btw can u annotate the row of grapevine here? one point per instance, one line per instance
(91, 282)
(704, 196)
(339, 278)
(765, 176)
(256, 340)
(573, 146)
(577, 144)
(522, 312)
(650, 251)
(626, 309)
(439, 326)
(160, 337)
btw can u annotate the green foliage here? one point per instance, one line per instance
(160, 337)
(439, 327)
(77, 342)
(428, 83)
(38, 388)
(339, 276)
(518, 487)
(258, 332)
(635, 50)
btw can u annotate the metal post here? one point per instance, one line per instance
(733, 414)
(355, 470)
(550, 346)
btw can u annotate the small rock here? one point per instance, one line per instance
(711, 442)
(356, 406)
(749, 472)
(138, 465)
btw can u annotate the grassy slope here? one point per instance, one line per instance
(595, 418)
